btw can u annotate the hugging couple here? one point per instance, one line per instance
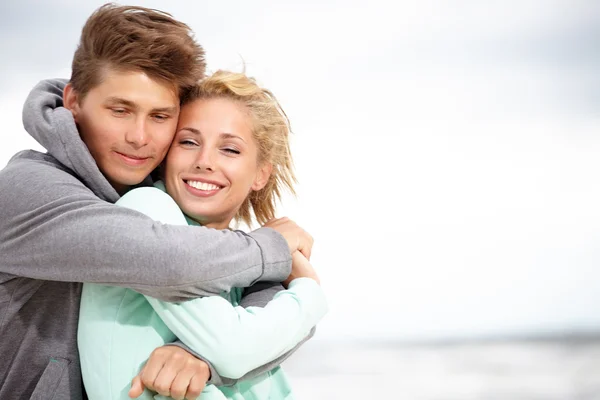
(121, 272)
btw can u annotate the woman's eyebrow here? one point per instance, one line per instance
(232, 136)
(192, 130)
(224, 134)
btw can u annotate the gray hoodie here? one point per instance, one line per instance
(59, 227)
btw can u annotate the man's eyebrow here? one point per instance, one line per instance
(131, 104)
(120, 100)
(167, 110)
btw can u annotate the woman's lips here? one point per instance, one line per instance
(199, 192)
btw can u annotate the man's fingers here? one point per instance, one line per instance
(296, 237)
(180, 384)
(305, 252)
(137, 387)
(306, 249)
(166, 376)
(196, 387)
(172, 371)
(152, 368)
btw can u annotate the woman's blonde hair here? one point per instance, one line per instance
(271, 130)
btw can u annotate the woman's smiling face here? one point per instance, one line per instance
(213, 163)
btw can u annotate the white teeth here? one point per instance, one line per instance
(202, 185)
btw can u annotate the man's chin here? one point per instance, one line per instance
(125, 181)
(136, 180)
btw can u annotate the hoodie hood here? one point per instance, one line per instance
(53, 126)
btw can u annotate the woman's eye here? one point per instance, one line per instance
(186, 142)
(231, 151)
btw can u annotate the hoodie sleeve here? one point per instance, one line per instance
(237, 340)
(258, 295)
(52, 227)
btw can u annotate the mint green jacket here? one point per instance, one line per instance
(119, 328)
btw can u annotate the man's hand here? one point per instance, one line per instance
(297, 238)
(172, 371)
(301, 268)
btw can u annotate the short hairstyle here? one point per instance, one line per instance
(271, 130)
(130, 38)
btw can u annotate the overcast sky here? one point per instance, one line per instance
(447, 151)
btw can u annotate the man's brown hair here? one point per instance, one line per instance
(130, 38)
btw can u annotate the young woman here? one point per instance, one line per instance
(228, 163)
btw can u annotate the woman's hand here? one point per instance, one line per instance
(301, 268)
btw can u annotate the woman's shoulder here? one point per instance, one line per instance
(155, 203)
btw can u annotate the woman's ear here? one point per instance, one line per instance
(262, 177)
(71, 100)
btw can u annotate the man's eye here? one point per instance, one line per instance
(161, 117)
(118, 111)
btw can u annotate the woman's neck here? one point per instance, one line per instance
(212, 224)
(216, 225)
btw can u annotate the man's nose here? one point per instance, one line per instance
(137, 134)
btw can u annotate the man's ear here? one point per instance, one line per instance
(71, 100)
(262, 177)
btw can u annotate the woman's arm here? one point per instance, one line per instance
(237, 340)
(258, 295)
(234, 340)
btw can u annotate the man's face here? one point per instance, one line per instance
(127, 122)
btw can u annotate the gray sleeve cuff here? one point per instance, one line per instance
(277, 260)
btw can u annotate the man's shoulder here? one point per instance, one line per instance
(28, 160)
(37, 174)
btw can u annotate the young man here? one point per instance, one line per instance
(58, 227)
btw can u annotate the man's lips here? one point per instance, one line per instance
(132, 160)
